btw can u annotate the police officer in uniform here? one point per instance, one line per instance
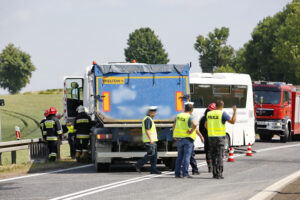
(82, 128)
(184, 131)
(52, 131)
(216, 131)
(203, 131)
(149, 139)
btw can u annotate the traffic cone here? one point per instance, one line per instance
(249, 151)
(230, 157)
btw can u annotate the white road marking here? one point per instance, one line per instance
(40, 174)
(143, 178)
(272, 190)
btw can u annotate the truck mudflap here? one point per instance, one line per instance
(160, 154)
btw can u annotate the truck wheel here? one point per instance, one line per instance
(102, 167)
(267, 137)
(286, 135)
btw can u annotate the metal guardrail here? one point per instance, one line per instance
(37, 149)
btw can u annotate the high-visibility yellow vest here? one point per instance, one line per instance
(215, 127)
(182, 126)
(152, 131)
(70, 129)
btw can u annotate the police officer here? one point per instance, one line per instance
(52, 130)
(149, 139)
(184, 130)
(216, 131)
(203, 131)
(46, 113)
(82, 128)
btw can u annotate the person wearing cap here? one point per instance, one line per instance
(184, 131)
(203, 131)
(216, 132)
(149, 139)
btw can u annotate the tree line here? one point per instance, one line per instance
(272, 53)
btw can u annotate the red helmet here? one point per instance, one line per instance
(52, 111)
(46, 113)
(212, 106)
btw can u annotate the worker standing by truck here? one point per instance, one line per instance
(52, 129)
(203, 131)
(82, 128)
(193, 162)
(183, 130)
(149, 135)
(216, 130)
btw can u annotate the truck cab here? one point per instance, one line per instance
(273, 109)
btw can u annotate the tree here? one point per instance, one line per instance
(226, 68)
(273, 53)
(145, 47)
(213, 50)
(15, 69)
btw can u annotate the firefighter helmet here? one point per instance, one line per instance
(46, 113)
(52, 111)
(81, 109)
(212, 106)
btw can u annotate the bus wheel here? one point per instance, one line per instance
(227, 143)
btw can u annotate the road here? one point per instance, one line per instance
(243, 179)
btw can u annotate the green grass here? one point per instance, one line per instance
(26, 111)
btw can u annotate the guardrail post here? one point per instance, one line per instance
(13, 157)
(0, 158)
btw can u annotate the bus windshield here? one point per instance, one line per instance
(204, 94)
(269, 97)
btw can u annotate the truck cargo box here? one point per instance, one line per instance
(125, 91)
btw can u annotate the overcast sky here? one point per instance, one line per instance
(65, 36)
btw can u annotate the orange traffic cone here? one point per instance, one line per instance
(249, 151)
(230, 157)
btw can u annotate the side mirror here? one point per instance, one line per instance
(2, 102)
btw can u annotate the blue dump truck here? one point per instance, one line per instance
(117, 96)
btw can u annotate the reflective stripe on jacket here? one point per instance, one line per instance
(215, 127)
(152, 131)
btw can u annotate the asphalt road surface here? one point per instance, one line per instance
(243, 179)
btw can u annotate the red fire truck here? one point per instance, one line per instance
(277, 110)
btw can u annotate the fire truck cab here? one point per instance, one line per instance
(277, 110)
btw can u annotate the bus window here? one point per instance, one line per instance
(203, 95)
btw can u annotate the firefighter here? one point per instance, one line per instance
(183, 130)
(46, 113)
(203, 131)
(82, 126)
(52, 129)
(216, 131)
(149, 139)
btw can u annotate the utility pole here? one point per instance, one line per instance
(2, 103)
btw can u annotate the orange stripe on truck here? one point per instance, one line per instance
(106, 101)
(179, 100)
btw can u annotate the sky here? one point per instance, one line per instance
(63, 37)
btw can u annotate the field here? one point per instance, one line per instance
(26, 111)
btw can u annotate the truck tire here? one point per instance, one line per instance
(286, 135)
(266, 137)
(102, 167)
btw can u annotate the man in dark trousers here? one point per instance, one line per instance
(216, 131)
(52, 129)
(149, 139)
(46, 113)
(82, 128)
(203, 131)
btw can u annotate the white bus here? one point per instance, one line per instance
(233, 89)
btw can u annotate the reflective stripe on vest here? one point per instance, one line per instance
(152, 131)
(82, 136)
(70, 129)
(182, 126)
(215, 127)
(51, 138)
